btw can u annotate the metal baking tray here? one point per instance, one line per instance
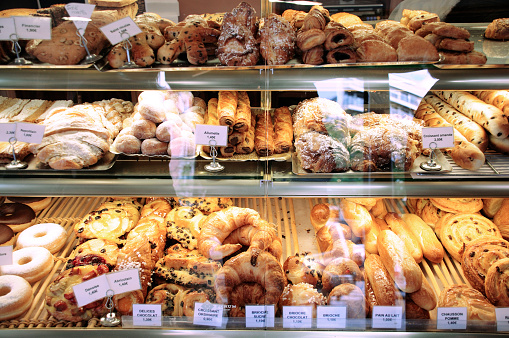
(105, 163)
(440, 159)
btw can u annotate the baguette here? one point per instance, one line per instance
(464, 153)
(488, 116)
(399, 262)
(472, 131)
(380, 281)
(356, 216)
(400, 228)
(425, 297)
(498, 98)
(431, 247)
(499, 144)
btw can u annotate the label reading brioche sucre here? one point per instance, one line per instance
(451, 318)
(260, 316)
(387, 317)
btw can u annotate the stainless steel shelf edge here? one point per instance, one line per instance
(142, 187)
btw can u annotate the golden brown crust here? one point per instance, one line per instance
(401, 229)
(399, 263)
(345, 248)
(380, 281)
(460, 295)
(301, 294)
(346, 19)
(339, 271)
(458, 205)
(351, 296)
(304, 268)
(496, 283)
(356, 216)
(479, 256)
(424, 297)
(431, 247)
(376, 51)
(498, 29)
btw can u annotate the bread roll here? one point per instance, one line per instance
(379, 210)
(425, 297)
(370, 240)
(501, 217)
(431, 247)
(380, 281)
(356, 216)
(491, 206)
(400, 228)
(399, 262)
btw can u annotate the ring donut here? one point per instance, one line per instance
(15, 296)
(31, 263)
(36, 203)
(51, 236)
(267, 272)
(6, 235)
(17, 216)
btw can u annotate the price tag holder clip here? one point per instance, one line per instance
(16, 48)
(15, 163)
(431, 165)
(128, 47)
(213, 166)
(111, 318)
(90, 58)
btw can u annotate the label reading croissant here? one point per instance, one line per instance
(387, 317)
(208, 314)
(437, 137)
(260, 316)
(452, 318)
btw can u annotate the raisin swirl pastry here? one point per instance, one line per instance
(496, 283)
(479, 256)
(456, 231)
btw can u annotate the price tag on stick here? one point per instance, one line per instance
(79, 11)
(205, 133)
(7, 29)
(32, 27)
(120, 30)
(437, 137)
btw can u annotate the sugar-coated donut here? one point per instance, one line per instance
(31, 263)
(51, 236)
(17, 216)
(153, 146)
(15, 296)
(36, 203)
(143, 129)
(127, 144)
(167, 131)
(6, 235)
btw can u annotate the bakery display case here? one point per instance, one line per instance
(340, 230)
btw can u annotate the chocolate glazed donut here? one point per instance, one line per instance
(13, 214)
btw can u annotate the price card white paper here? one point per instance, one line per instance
(32, 27)
(77, 10)
(297, 317)
(331, 317)
(7, 130)
(451, 318)
(502, 318)
(120, 30)
(259, 315)
(7, 28)
(147, 315)
(91, 290)
(6, 255)
(208, 314)
(124, 280)
(438, 137)
(387, 317)
(29, 132)
(205, 134)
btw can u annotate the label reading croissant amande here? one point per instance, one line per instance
(437, 137)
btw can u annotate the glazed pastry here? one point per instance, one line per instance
(310, 39)
(94, 252)
(316, 18)
(341, 55)
(479, 256)
(283, 130)
(443, 29)
(458, 205)
(496, 283)
(375, 51)
(461, 295)
(456, 231)
(264, 135)
(313, 56)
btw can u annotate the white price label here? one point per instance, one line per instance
(29, 132)
(437, 137)
(91, 290)
(120, 30)
(7, 29)
(208, 314)
(259, 315)
(452, 318)
(147, 315)
(33, 27)
(387, 317)
(124, 281)
(76, 11)
(331, 317)
(211, 135)
(6, 255)
(502, 314)
(7, 130)
(297, 317)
